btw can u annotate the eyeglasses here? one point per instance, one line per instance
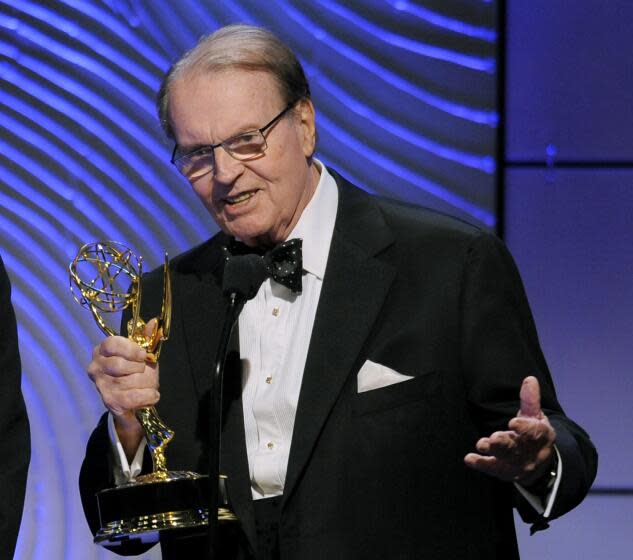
(243, 147)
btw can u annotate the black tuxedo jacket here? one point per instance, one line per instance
(378, 474)
(15, 442)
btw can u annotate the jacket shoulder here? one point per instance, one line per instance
(413, 228)
(402, 216)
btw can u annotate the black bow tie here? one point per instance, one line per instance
(284, 263)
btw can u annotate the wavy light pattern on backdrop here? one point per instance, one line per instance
(405, 94)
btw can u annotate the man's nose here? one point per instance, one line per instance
(227, 168)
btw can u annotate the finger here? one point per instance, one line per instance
(479, 462)
(533, 428)
(490, 465)
(483, 445)
(123, 347)
(498, 436)
(115, 366)
(111, 389)
(503, 444)
(146, 379)
(150, 326)
(153, 335)
(153, 332)
(112, 368)
(530, 396)
(121, 402)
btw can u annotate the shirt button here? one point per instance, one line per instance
(270, 445)
(269, 379)
(275, 311)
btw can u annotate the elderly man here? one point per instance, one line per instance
(396, 404)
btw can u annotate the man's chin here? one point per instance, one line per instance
(248, 235)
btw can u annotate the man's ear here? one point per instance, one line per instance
(307, 123)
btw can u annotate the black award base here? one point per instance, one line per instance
(142, 509)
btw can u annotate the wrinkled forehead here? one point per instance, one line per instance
(207, 106)
(231, 85)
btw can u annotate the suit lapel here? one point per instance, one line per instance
(203, 307)
(355, 285)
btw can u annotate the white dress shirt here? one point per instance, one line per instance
(273, 322)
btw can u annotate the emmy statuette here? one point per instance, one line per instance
(162, 500)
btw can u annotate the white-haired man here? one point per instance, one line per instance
(397, 405)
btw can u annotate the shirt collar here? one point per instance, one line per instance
(316, 224)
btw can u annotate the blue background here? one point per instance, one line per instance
(408, 98)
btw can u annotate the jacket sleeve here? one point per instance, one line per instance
(15, 442)
(97, 474)
(500, 348)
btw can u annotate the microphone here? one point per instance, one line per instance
(243, 276)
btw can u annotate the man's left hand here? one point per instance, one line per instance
(525, 451)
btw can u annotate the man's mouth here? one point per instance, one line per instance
(240, 198)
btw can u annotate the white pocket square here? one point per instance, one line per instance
(374, 376)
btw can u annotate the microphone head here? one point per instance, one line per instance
(243, 275)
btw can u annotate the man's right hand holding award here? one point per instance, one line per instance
(126, 381)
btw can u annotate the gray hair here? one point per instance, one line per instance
(242, 47)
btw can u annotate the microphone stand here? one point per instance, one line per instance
(242, 277)
(215, 424)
